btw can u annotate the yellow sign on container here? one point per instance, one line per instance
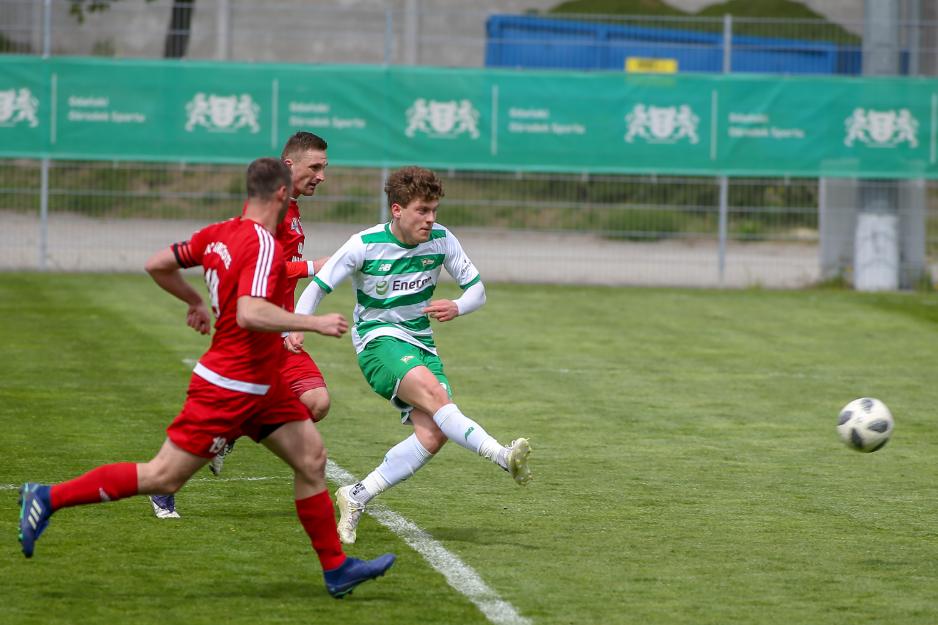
(640, 65)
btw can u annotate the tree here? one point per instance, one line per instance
(176, 42)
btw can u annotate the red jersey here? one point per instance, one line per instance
(239, 257)
(290, 236)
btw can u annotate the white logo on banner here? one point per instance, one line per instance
(662, 124)
(222, 113)
(881, 129)
(444, 120)
(18, 106)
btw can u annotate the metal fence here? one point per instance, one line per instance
(101, 216)
(451, 33)
(617, 230)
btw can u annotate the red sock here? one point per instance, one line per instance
(106, 483)
(318, 519)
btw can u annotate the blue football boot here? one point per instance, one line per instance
(35, 510)
(343, 580)
(164, 506)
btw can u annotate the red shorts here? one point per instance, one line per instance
(213, 416)
(300, 373)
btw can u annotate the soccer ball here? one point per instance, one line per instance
(865, 424)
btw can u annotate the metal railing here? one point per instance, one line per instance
(680, 231)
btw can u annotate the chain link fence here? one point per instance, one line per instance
(613, 230)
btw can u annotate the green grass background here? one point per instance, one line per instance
(687, 469)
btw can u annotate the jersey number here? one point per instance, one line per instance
(211, 281)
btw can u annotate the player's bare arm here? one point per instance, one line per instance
(259, 315)
(165, 271)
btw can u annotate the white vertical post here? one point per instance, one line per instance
(222, 30)
(44, 165)
(722, 227)
(43, 213)
(727, 43)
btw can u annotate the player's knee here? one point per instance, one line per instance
(318, 403)
(436, 444)
(432, 439)
(313, 464)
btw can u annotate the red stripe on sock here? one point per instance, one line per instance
(318, 519)
(106, 483)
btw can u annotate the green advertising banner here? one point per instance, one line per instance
(375, 116)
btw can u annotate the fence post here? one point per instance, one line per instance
(913, 35)
(388, 35)
(724, 219)
(223, 30)
(46, 28)
(43, 213)
(385, 213)
(411, 34)
(727, 43)
(44, 165)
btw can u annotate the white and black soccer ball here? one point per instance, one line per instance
(865, 424)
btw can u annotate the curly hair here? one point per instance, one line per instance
(412, 183)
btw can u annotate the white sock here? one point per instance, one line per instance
(465, 432)
(401, 461)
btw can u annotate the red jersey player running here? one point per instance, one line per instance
(305, 154)
(235, 389)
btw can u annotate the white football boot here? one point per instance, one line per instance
(350, 512)
(518, 453)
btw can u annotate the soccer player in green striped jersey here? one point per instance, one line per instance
(394, 268)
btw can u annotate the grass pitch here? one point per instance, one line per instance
(687, 469)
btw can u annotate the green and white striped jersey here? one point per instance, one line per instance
(393, 282)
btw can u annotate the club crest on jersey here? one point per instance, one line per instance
(296, 226)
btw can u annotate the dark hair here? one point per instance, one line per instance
(265, 176)
(411, 183)
(302, 142)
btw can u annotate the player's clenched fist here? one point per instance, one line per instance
(332, 324)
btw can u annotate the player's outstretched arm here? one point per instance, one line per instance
(164, 269)
(259, 315)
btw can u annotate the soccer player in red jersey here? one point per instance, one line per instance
(305, 154)
(235, 389)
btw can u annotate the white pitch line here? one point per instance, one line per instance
(458, 574)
